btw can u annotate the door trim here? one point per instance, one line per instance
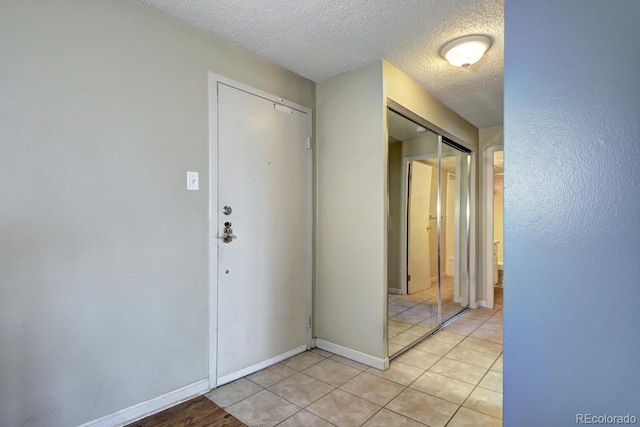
(404, 290)
(214, 80)
(487, 250)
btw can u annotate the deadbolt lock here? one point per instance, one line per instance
(227, 210)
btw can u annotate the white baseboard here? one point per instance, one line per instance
(349, 353)
(394, 291)
(151, 406)
(482, 303)
(259, 366)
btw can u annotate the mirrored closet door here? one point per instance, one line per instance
(427, 230)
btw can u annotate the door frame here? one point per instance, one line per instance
(214, 80)
(404, 236)
(487, 252)
(404, 239)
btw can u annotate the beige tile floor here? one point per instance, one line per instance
(452, 379)
(413, 316)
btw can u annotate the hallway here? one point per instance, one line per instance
(452, 379)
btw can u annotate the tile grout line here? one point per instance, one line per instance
(475, 386)
(334, 388)
(410, 385)
(267, 388)
(485, 374)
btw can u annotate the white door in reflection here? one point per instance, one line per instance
(418, 230)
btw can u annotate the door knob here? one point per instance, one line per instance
(227, 234)
(228, 238)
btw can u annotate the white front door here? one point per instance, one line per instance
(263, 202)
(418, 227)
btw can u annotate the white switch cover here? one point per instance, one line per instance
(192, 181)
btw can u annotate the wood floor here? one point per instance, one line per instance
(198, 412)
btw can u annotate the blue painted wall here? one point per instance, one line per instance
(572, 210)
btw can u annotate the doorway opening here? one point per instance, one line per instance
(493, 258)
(498, 225)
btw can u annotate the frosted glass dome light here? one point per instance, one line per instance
(466, 50)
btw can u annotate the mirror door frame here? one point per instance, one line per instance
(472, 242)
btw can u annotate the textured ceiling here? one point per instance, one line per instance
(321, 38)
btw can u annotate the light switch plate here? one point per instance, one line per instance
(192, 181)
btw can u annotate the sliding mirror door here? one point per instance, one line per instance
(427, 236)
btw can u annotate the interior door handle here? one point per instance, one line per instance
(227, 234)
(227, 238)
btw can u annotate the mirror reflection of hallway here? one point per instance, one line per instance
(420, 230)
(426, 233)
(498, 225)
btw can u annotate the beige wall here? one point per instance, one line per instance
(351, 265)
(426, 146)
(394, 231)
(401, 89)
(104, 253)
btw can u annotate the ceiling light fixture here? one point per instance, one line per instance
(466, 50)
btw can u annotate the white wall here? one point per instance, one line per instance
(491, 137)
(103, 254)
(572, 197)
